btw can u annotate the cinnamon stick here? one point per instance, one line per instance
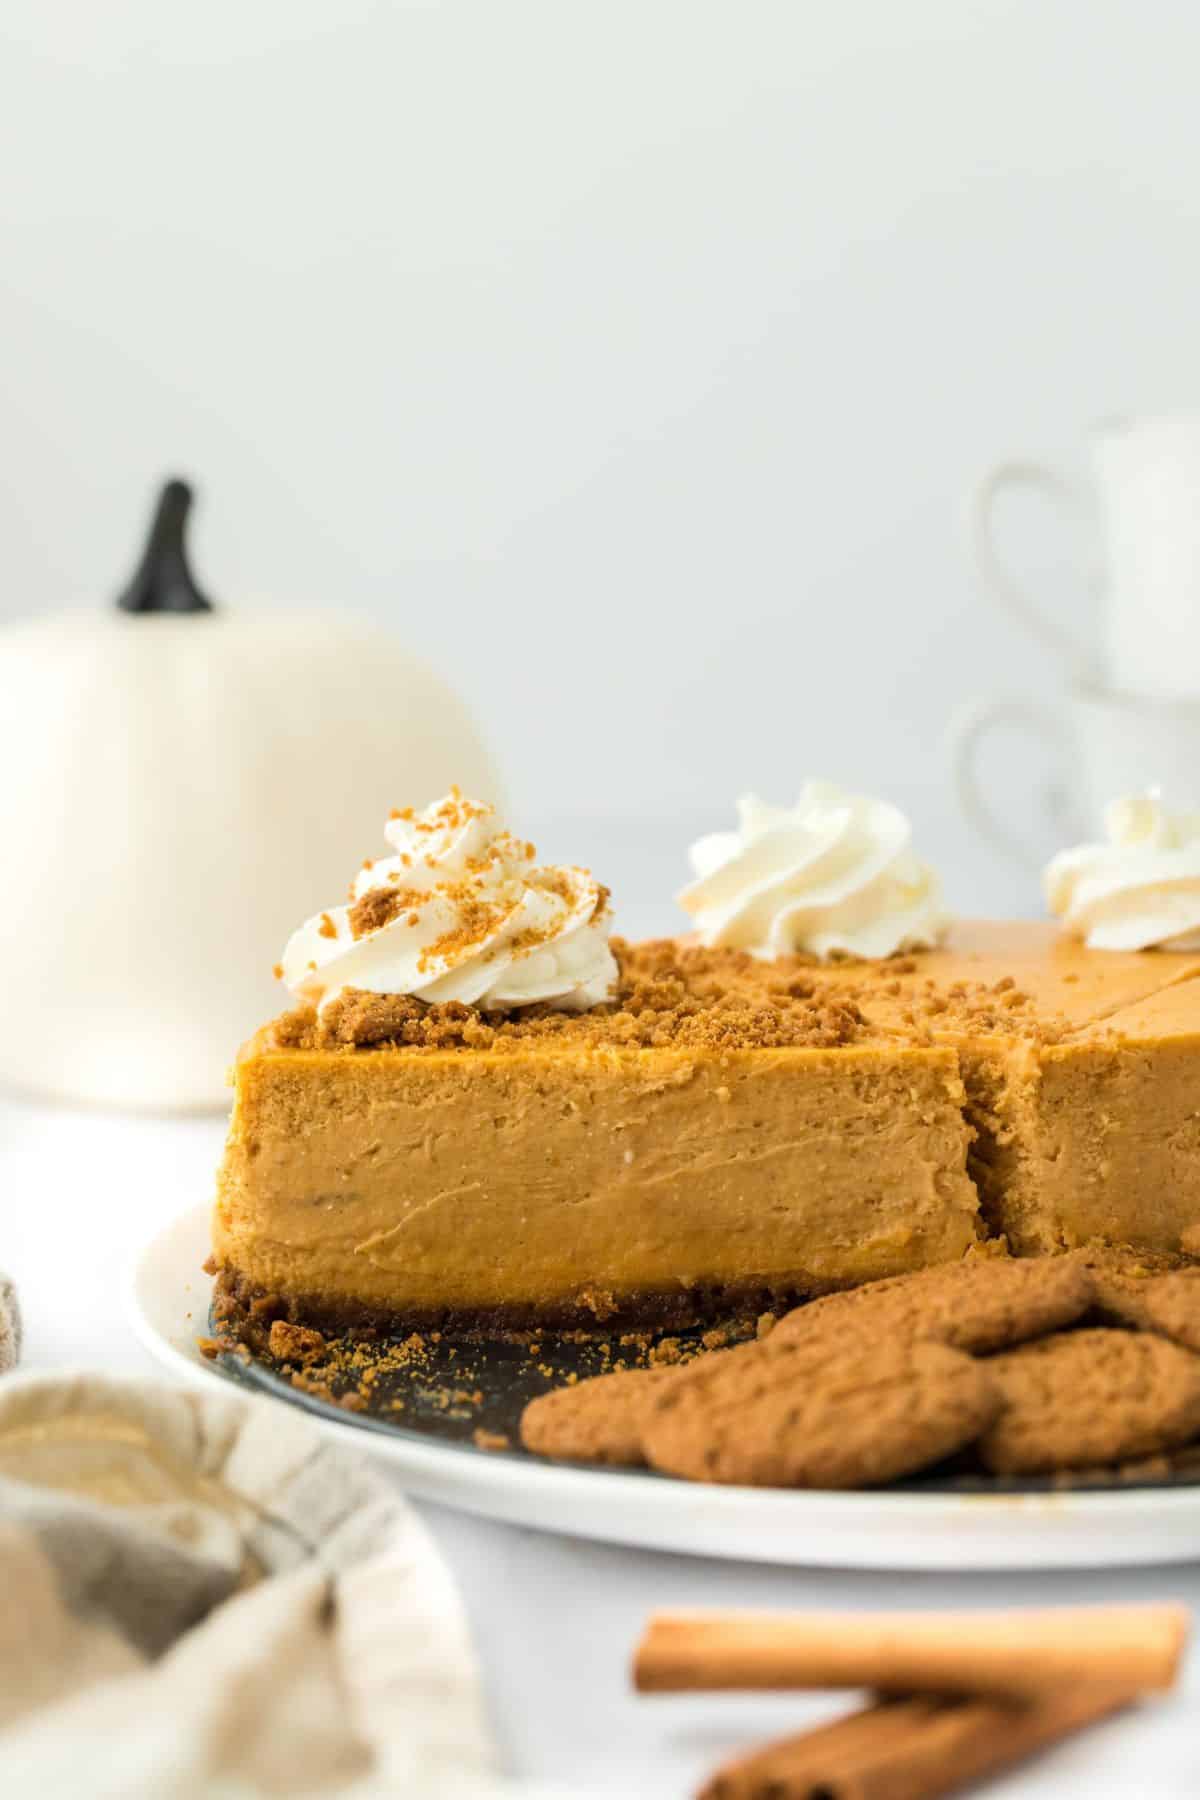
(1131, 1649)
(911, 1749)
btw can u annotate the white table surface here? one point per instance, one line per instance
(555, 1618)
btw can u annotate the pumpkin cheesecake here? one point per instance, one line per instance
(485, 1111)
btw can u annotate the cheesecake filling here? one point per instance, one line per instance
(638, 1185)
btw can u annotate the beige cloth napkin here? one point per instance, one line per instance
(200, 1596)
(10, 1326)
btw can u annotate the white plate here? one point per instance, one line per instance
(168, 1304)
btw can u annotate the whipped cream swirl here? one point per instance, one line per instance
(1138, 891)
(835, 874)
(459, 912)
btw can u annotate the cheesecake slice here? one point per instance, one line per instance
(719, 1134)
(724, 1132)
(485, 1112)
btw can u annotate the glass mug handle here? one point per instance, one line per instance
(1071, 498)
(968, 730)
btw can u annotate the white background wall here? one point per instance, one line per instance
(631, 356)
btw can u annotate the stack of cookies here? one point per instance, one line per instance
(1081, 1363)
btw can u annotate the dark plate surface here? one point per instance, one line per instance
(454, 1392)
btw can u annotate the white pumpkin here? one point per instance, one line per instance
(181, 787)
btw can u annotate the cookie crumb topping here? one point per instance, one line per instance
(668, 996)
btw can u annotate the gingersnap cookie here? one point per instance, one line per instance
(1120, 1262)
(1088, 1398)
(984, 1304)
(1142, 1471)
(818, 1417)
(1173, 1307)
(1149, 1291)
(597, 1420)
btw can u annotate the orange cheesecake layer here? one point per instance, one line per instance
(728, 1130)
(579, 1183)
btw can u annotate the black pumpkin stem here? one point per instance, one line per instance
(163, 581)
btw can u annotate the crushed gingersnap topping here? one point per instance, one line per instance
(454, 813)
(379, 906)
(295, 1343)
(679, 993)
(668, 996)
(978, 1009)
